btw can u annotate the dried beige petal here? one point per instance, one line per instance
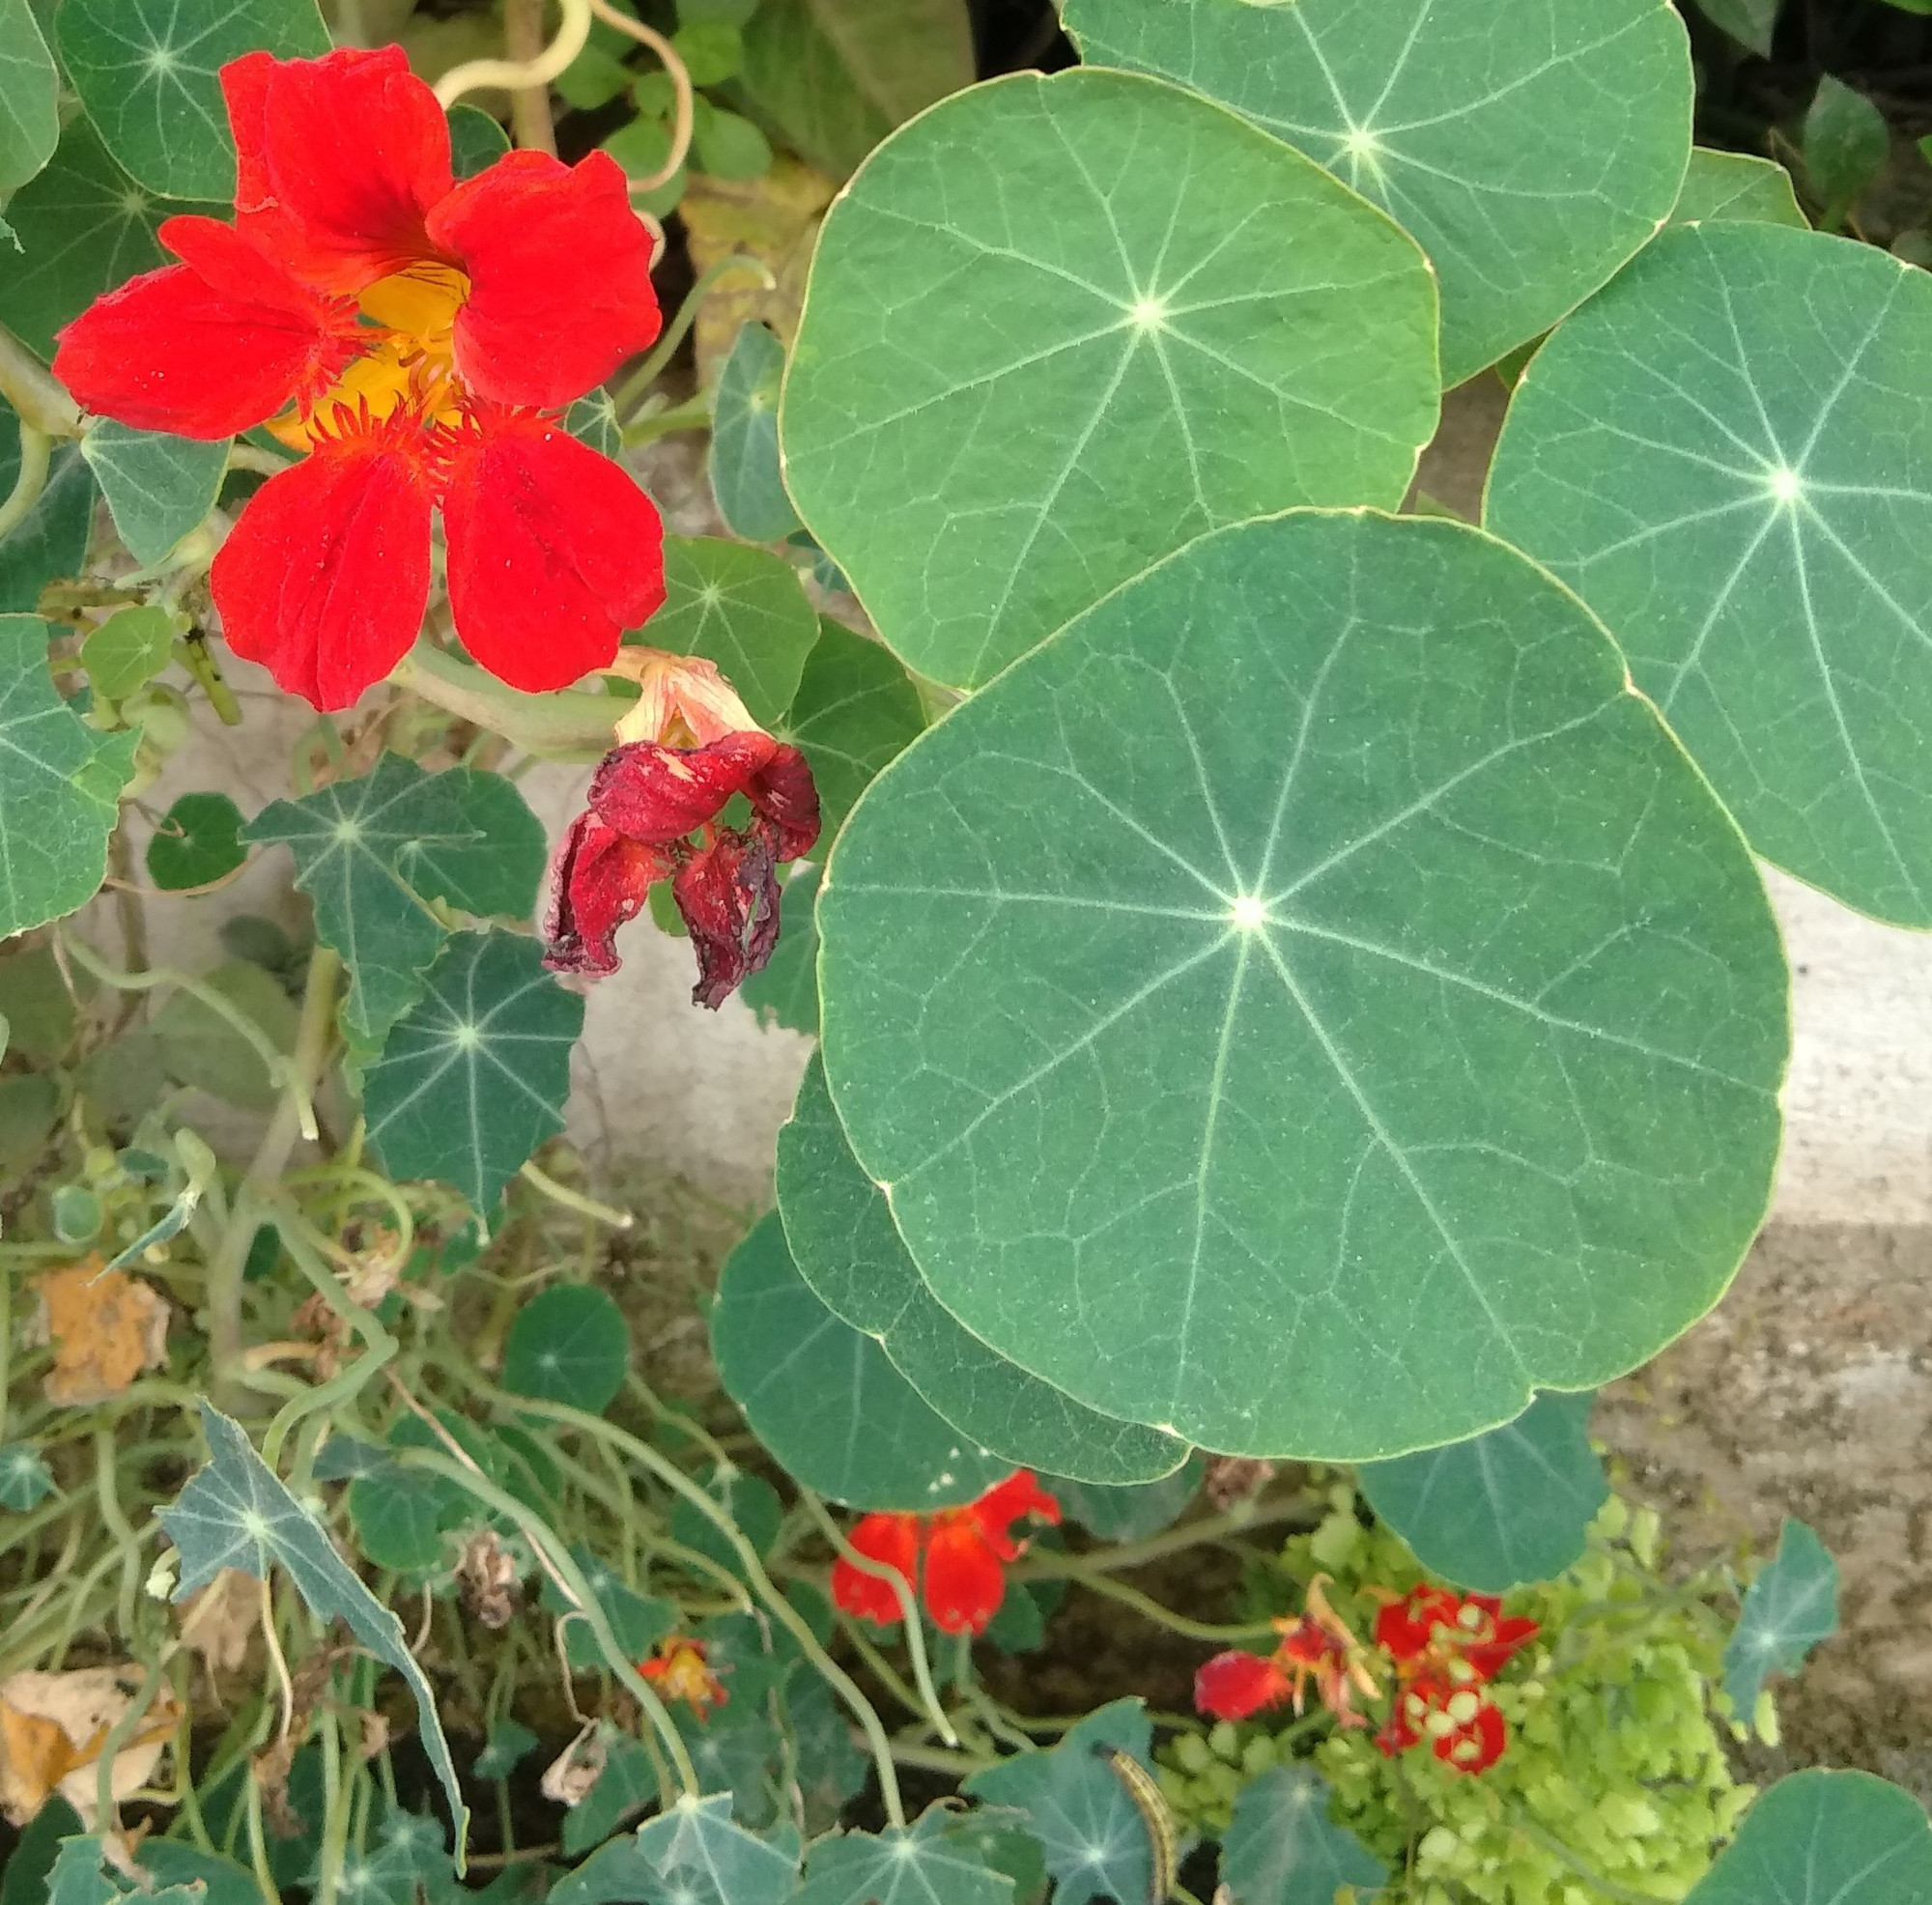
(53, 1726)
(576, 1769)
(105, 1328)
(486, 1574)
(219, 1620)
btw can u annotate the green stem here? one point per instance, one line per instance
(570, 1578)
(1096, 1582)
(567, 725)
(30, 387)
(574, 1199)
(635, 387)
(118, 1736)
(107, 1457)
(36, 453)
(933, 1759)
(694, 414)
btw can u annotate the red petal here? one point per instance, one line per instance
(598, 881)
(559, 270)
(1476, 1746)
(206, 348)
(553, 551)
(783, 793)
(324, 578)
(1006, 1503)
(892, 1539)
(661, 794)
(964, 1581)
(728, 894)
(1489, 1657)
(340, 160)
(1407, 1628)
(1234, 1685)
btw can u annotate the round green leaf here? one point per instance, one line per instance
(844, 1244)
(741, 608)
(158, 487)
(569, 1344)
(1056, 328)
(1529, 146)
(477, 141)
(474, 1078)
(854, 710)
(198, 840)
(147, 74)
(1510, 1506)
(1282, 1847)
(1312, 1002)
(745, 474)
(1824, 1838)
(25, 1480)
(397, 1515)
(823, 1398)
(84, 226)
(1728, 455)
(129, 649)
(498, 870)
(1736, 187)
(1789, 1608)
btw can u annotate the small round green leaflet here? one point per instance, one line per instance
(1312, 1002)
(1510, 1506)
(1529, 146)
(823, 1396)
(146, 73)
(844, 1244)
(197, 843)
(569, 1344)
(1056, 328)
(1824, 1838)
(1789, 1608)
(1728, 455)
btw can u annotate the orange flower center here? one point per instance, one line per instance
(409, 318)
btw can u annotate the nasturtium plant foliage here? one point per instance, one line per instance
(1275, 985)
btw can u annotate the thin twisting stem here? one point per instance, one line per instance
(472, 76)
(637, 384)
(529, 105)
(680, 79)
(31, 481)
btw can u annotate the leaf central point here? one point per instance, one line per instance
(1249, 913)
(1786, 486)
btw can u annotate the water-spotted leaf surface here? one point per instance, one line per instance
(741, 608)
(785, 993)
(1078, 1808)
(158, 487)
(854, 710)
(1162, 985)
(1282, 1848)
(1056, 327)
(569, 1344)
(1530, 146)
(691, 1854)
(746, 478)
(497, 870)
(824, 1398)
(147, 74)
(347, 839)
(84, 226)
(25, 1480)
(197, 840)
(1728, 455)
(1734, 186)
(842, 1242)
(473, 1077)
(1789, 1608)
(50, 541)
(29, 96)
(1824, 1838)
(60, 787)
(235, 1513)
(931, 1863)
(1509, 1506)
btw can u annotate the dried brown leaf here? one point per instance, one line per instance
(53, 1727)
(105, 1328)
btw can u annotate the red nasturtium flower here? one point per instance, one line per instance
(417, 339)
(679, 1670)
(685, 749)
(1320, 1646)
(965, 1551)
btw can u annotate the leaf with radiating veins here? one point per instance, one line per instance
(235, 1513)
(741, 608)
(29, 96)
(1788, 1610)
(158, 487)
(1737, 187)
(928, 1863)
(1824, 1838)
(1282, 1848)
(856, 708)
(746, 478)
(60, 787)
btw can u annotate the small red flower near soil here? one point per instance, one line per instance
(1320, 1647)
(679, 1672)
(965, 1553)
(686, 746)
(1446, 1647)
(416, 339)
